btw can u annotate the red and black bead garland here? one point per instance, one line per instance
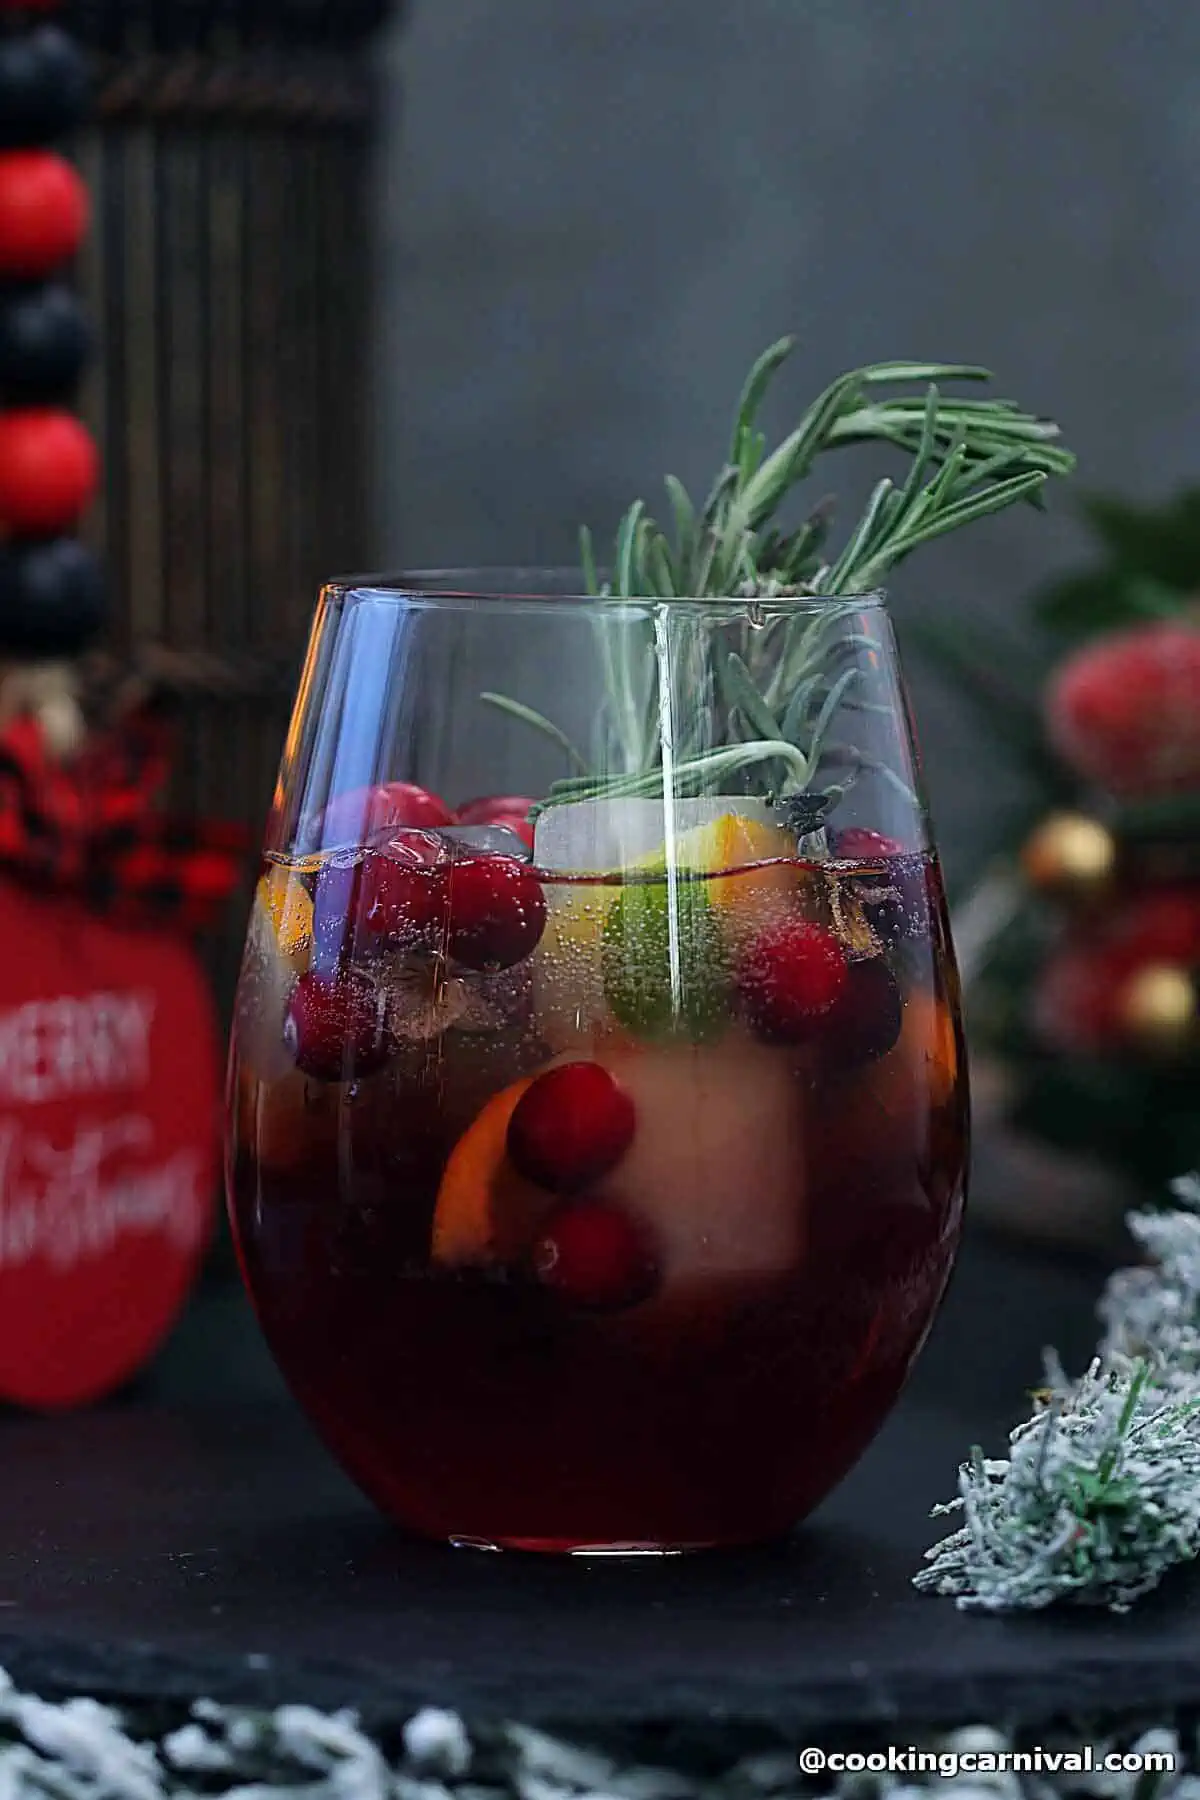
(52, 597)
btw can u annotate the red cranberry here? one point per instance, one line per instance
(509, 810)
(497, 912)
(905, 902)
(898, 892)
(393, 898)
(857, 843)
(335, 1026)
(493, 808)
(335, 908)
(865, 1023)
(572, 1126)
(403, 893)
(596, 1256)
(518, 824)
(360, 815)
(790, 980)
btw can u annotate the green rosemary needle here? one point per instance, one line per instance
(968, 458)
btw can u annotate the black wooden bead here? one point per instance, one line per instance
(43, 86)
(52, 598)
(45, 341)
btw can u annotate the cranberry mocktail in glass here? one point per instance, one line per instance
(596, 1152)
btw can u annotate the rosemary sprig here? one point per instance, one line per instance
(778, 677)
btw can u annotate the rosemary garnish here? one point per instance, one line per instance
(773, 681)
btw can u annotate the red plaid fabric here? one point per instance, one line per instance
(91, 827)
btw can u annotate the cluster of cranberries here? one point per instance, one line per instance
(571, 1127)
(484, 912)
(796, 983)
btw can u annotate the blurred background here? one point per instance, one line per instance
(593, 217)
(382, 285)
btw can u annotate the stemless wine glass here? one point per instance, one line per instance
(597, 1107)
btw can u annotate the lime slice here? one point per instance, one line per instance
(665, 963)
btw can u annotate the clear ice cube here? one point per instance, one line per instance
(491, 840)
(596, 836)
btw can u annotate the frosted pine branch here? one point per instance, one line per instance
(1154, 1311)
(1100, 1493)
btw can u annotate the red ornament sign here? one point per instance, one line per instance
(109, 1101)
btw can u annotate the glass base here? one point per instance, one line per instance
(568, 1547)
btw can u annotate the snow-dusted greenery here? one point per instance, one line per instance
(1100, 1493)
(80, 1750)
(1154, 1311)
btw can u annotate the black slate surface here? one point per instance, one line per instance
(194, 1538)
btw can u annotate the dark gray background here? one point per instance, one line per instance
(596, 212)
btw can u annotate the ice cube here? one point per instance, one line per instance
(489, 840)
(591, 837)
(422, 1001)
(597, 836)
(717, 1166)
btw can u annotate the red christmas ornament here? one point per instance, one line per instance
(49, 470)
(109, 1089)
(44, 212)
(1080, 1001)
(1124, 712)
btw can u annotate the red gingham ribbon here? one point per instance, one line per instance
(91, 827)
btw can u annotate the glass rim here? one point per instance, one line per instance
(555, 586)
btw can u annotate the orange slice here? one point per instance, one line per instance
(286, 903)
(736, 842)
(485, 1211)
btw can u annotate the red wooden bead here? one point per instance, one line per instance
(48, 471)
(43, 212)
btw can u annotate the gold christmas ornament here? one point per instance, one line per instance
(1070, 857)
(1159, 1010)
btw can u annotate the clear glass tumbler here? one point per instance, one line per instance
(598, 1120)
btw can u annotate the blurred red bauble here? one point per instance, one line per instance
(43, 212)
(1124, 712)
(1080, 1005)
(49, 469)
